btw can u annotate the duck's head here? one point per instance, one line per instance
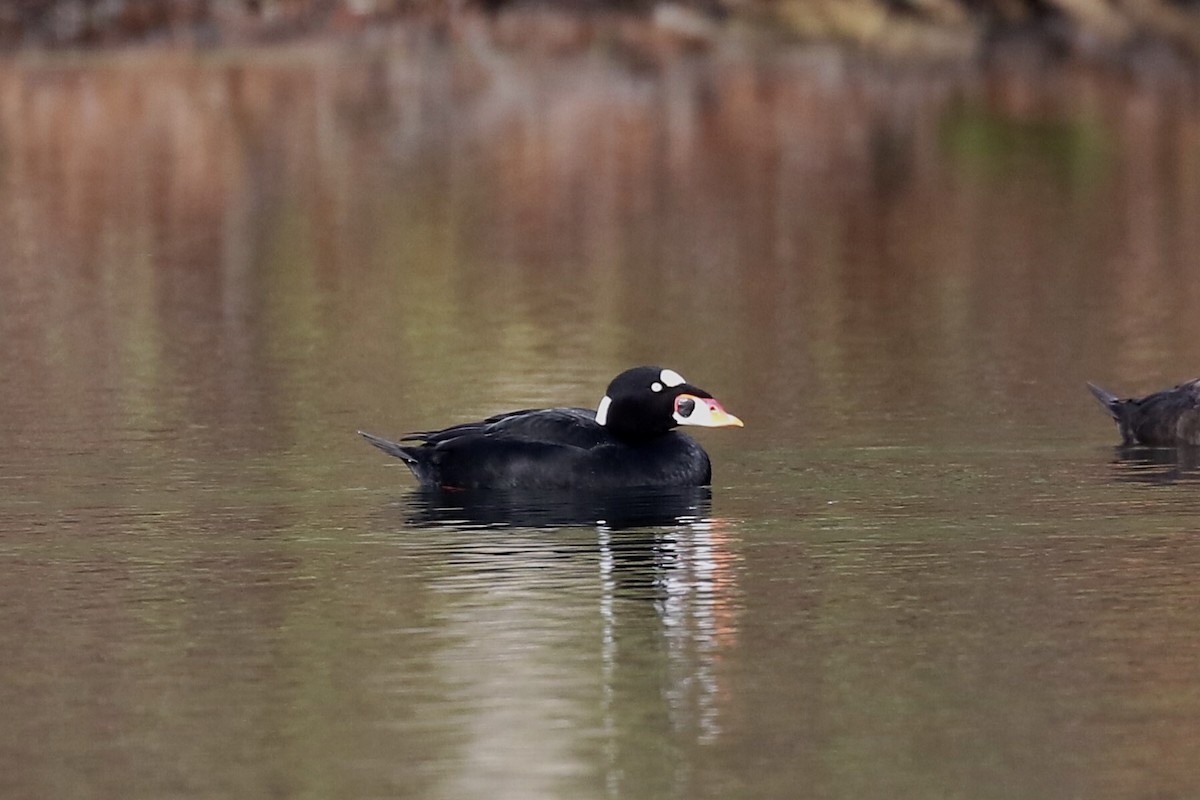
(645, 402)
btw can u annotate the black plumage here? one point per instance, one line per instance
(1164, 419)
(628, 441)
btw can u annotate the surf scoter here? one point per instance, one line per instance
(627, 441)
(1164, 419)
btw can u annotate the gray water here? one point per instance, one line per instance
(923, 572)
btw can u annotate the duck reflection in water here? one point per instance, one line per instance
(496, 508)
(661, 573)
(1156, 465)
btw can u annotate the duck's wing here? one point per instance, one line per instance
(575, 427)
(535, 447)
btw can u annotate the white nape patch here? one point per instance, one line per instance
(602, 410)
(656, 387)
(670, 377)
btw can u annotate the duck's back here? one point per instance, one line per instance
(560, 426)
(1169, 417)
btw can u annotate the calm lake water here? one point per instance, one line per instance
(923, 571)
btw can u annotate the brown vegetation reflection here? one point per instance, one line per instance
(797, 216)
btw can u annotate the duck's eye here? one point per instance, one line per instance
(684, 406)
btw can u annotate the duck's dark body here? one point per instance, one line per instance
(548, 448)
(1164, 419)
(628, 442)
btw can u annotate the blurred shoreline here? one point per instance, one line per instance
(1145, 35)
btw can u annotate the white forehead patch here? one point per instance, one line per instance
(670, 377)
(656, 387)
(602, 410)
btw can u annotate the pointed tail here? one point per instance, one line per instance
(401, 452)
(1111, 403)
